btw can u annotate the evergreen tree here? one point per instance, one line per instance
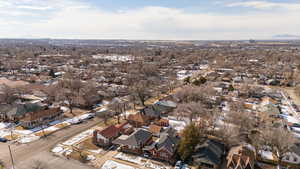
(190, 138)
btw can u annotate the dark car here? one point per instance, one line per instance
(3, 140)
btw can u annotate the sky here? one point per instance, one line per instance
(149, 19)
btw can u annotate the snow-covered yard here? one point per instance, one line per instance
(178, 125)
(140, 161)
(78, 138)
(109, 164)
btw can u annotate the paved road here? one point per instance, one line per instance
(25, 154)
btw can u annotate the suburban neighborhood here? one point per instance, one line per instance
(155, 110)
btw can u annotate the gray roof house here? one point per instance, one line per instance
(134, 142)
(209, 154)
(164, 148)
(164, 106)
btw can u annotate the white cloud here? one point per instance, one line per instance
(34, 7)
(73, 19)
(265, 5)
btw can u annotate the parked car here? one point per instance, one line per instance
(90, 116)
(178, 165)
(185, 166)
(3, 140)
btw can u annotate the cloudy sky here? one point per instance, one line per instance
(149, 19)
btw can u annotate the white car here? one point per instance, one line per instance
(178, 165)
(185, 166)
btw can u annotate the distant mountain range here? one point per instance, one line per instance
(286, 36)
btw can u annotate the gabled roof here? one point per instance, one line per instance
(168, 142)
(138, 117)
(109, 132)
(241, 156)
(20, 109)
(151, 112)
(209, 152)
(41, 114)
(166, 103)
(139, 137)
(155, 129)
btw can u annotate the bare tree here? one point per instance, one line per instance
(69, 90)
(279, 140)
(118, 107)
(229, 134)
(191, 110)
(141, 91)
(9, 95)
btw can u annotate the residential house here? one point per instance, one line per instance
(42, 117)
(125, 128)
(165, 106)
(155, 129)
(105, 137)
(293, 157)
(138, 119)
(17, 111)
(151, 112)
(209, 155)
(135, 142)
(164, 148)
(162, 122)
(241, 157)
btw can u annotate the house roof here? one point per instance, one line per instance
(163, 121)
(20, 109)
(138, 117)
(41, 114)
(209, 152)
(151, 112)
(166, 103)
(166, 142)
(155, 129)
(242, 156)
(140, 136)
(109, 132)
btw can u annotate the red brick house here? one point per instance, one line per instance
(105, 137)
(163, 149)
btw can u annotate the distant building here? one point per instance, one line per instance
(42, 117)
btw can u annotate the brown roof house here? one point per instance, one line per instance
(241, 157)
(135, 142)
(42, 117)
(125, 128)
(138, 119)
(105, 137)
(155, 129)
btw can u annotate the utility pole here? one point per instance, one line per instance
(11, 157)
